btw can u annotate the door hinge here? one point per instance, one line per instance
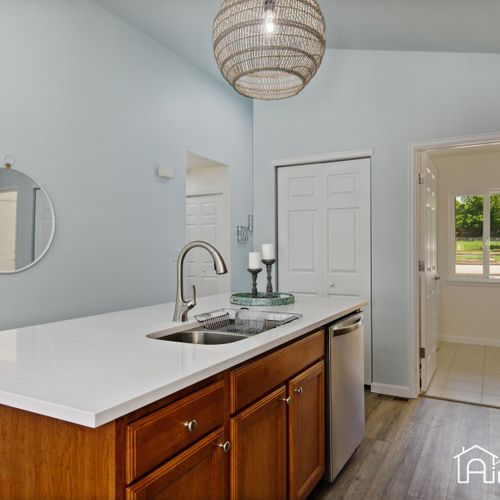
(420, 178)
(421, 265)
(422, 353)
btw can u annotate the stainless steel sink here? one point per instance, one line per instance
(204, 337)
(227, 325)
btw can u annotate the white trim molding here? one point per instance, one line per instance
(456, 339)
(414, 150)
(324, 158)
(398, 391)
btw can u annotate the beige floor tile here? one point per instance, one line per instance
(445, 364)
(493, 355)
(489, 399)
(470, 351)
(492, 369)
(491, 385)
(467, 377)
(464, 396)
(469, 358)
(440, 375)
(491, 379)
(434, 390)
(470, 368)
(462, 385)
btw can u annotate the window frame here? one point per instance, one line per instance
(485, 279)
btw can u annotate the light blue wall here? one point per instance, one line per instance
(380, 100)
(87, 106)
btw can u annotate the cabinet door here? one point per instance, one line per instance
(259, 449)
(307, 430)
(196, 473)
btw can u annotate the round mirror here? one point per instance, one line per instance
(27, 221)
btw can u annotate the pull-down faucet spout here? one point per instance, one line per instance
(182, 306)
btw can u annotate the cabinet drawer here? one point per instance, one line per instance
(256, 378)
(156, 437)
(198, 472)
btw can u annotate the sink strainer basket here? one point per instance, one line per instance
(243, 321)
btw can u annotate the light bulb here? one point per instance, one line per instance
(269, 25)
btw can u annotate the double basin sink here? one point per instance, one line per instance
(225, 326)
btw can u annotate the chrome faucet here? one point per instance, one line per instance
(182, 306)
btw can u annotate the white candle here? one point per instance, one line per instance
(254, 260)
(268, 252)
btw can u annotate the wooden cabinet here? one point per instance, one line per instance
(154, 438)
(257, 377)
(196, 473)
(266, 413)
(259, 449)
(306, 431)
(278, 441)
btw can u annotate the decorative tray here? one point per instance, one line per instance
(262, 299)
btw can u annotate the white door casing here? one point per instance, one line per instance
(324, 233)
(205, 221)
(429, 277)
(8, 230)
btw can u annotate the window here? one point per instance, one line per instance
(476, 235)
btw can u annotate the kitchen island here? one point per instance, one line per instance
(92, 408)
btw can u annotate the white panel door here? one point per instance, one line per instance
(324, 233)
(8, 230)
(300, 200)
(43, 223)
(204, 221)
(429, 319)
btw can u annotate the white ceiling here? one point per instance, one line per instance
(428, 25)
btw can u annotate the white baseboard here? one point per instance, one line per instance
(469, 340)
(399, 391)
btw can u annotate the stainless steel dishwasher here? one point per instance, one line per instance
(345, 401)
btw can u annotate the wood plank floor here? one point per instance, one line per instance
(408, 452)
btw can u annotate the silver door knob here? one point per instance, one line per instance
(191, 426)
(299, 390)
(287, 400)
(225, 446)
(437, 277)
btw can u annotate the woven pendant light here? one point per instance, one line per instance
(269, 49)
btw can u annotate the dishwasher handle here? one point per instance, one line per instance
(348, 326)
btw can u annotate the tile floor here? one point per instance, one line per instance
(468, 373)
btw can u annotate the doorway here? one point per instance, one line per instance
(208, 219)
(456, 272)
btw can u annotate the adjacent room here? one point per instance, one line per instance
(468, 268)
(249, 249)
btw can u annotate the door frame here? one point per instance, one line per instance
(415, 150)
(329, 158)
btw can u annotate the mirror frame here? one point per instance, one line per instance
(52, 233)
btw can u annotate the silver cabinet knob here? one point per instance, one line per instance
(332, 285)
(299, 390)
(191, 426)
(437, 277)
(225, 446)
(287, 400)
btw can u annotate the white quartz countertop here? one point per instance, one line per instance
(92, 370)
